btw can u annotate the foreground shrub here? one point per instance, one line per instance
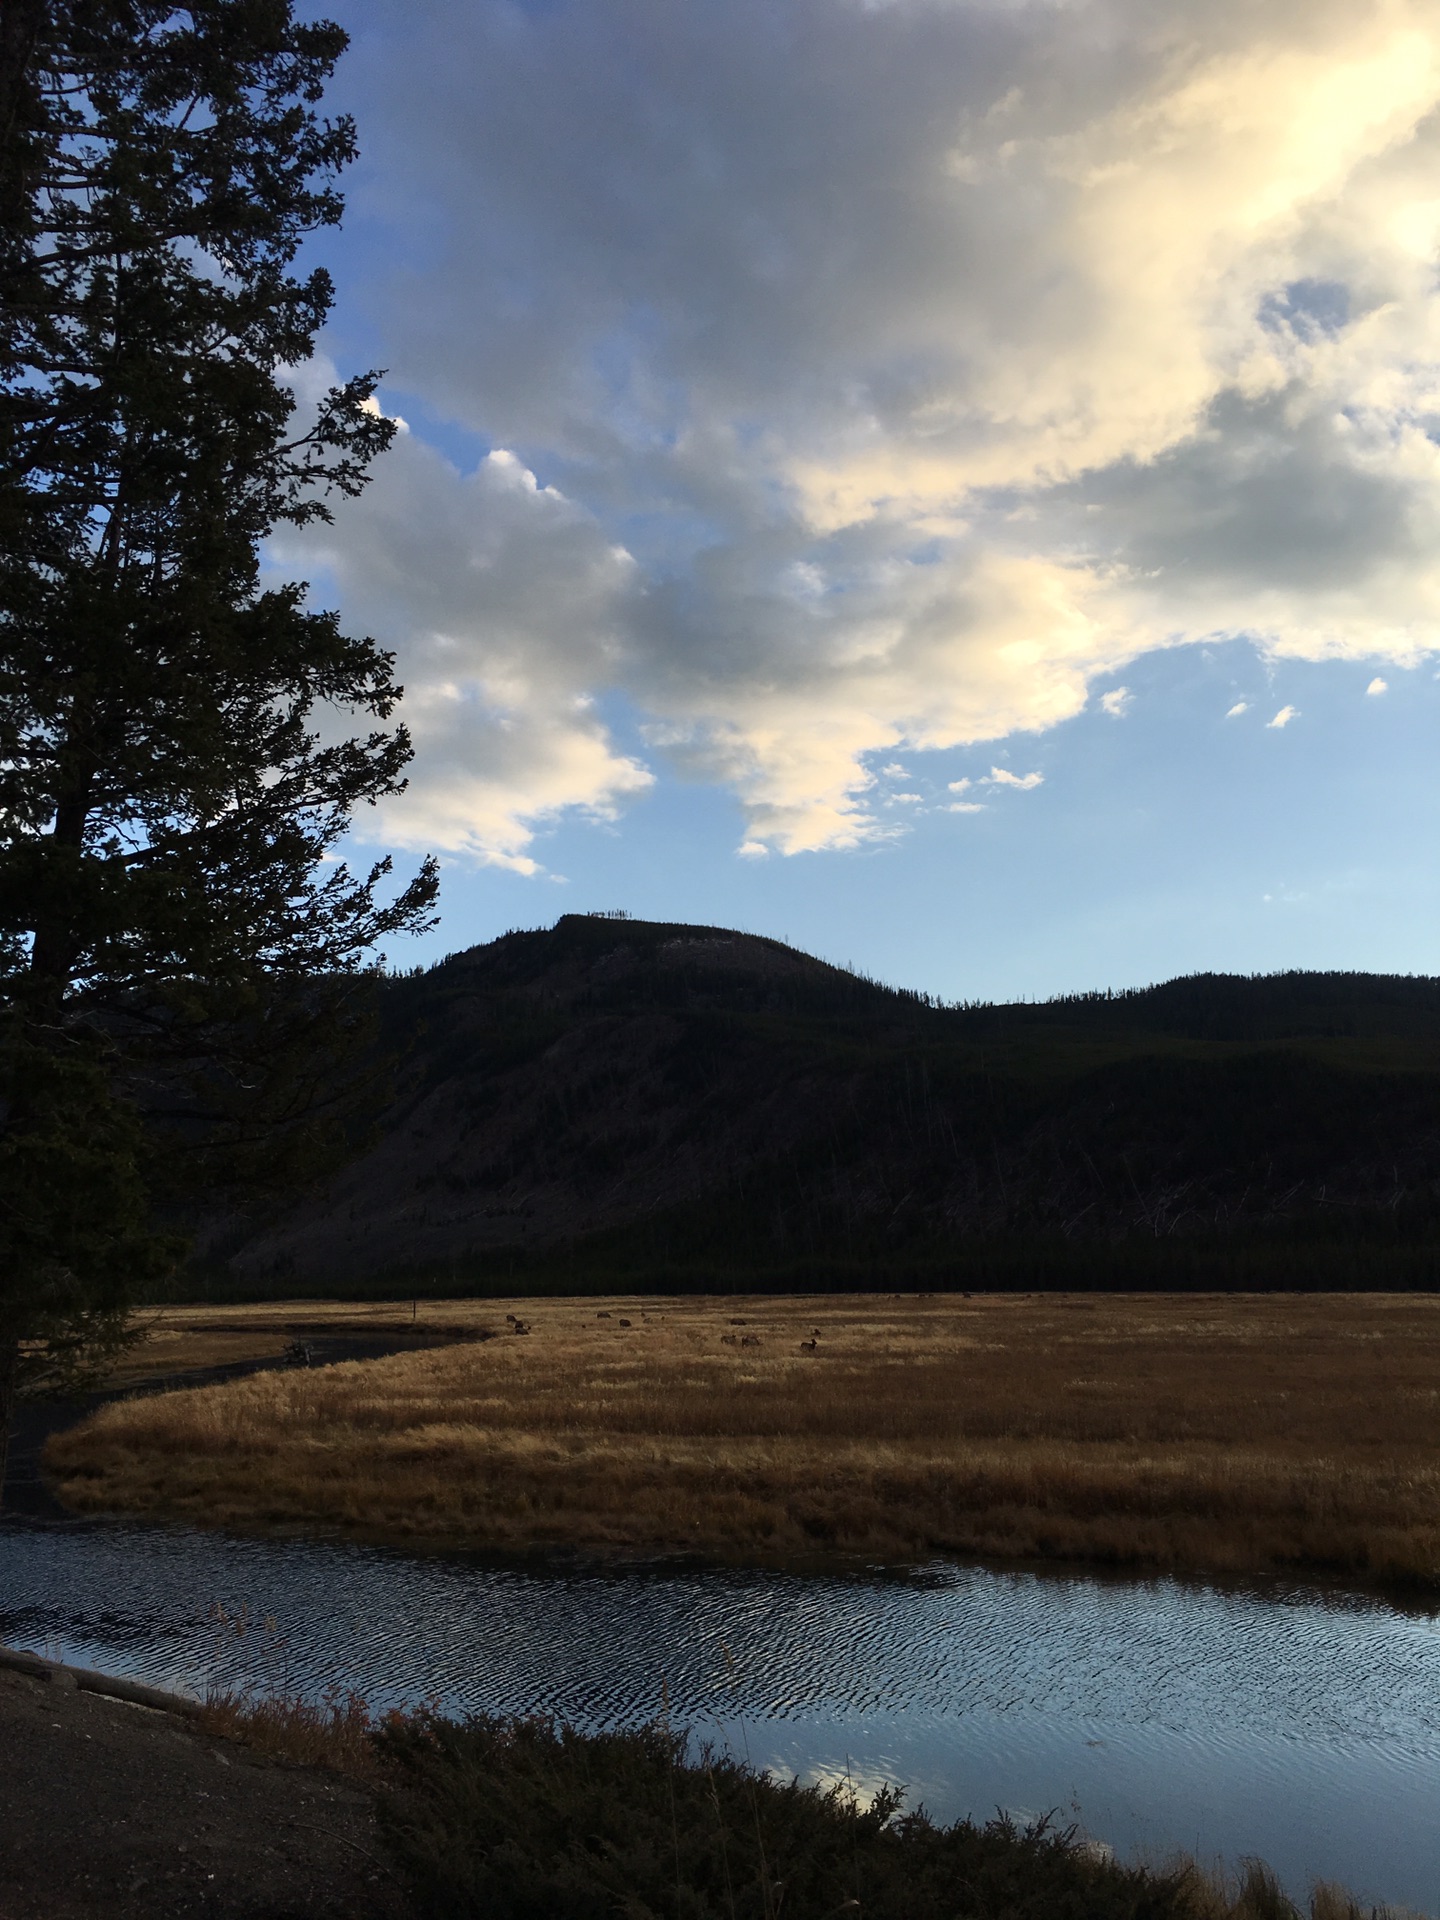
(524, 1820)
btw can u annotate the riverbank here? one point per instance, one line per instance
(113, 1810)
(524, 1818)
(1221, 1433)
(122, 1814)
(182, 1347)
(185, 1341)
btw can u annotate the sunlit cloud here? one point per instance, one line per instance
(878, 386)
(1284, 717)
(1002, 777)
(1240, 706)
(1377, 685)
(506, 605)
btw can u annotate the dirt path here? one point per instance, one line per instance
(118, 1811)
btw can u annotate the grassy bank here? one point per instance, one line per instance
(522, 1820)
(1228, 1433)
(192, 1340)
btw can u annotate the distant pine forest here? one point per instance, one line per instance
(618, 1105)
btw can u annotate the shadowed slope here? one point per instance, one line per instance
(613, 1103)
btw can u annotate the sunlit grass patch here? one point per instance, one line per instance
(1220, 1432)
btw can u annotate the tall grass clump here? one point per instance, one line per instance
(337, 1732)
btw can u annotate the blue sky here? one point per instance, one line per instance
(821, 419)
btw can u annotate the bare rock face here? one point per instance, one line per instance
(623, 1098)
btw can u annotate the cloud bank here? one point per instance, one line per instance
(891, 373)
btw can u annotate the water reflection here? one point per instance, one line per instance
(1298, 1725)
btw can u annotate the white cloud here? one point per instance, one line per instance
(1284, 717)
(372, 405)
(1240, 706)
(505, 605)
(932, 360)
(1002, 777)
(895, 771)
(1117, 702)
(1377, 685)
(959, 786)
(966, 806)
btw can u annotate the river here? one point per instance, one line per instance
(1289, 1722)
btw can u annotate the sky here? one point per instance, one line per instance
(954, 484)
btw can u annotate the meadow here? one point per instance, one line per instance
(1218, 1433)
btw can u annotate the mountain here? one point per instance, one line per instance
(618, 1103)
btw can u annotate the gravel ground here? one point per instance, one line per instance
(108, 1809)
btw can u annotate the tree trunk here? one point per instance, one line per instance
(20, 26)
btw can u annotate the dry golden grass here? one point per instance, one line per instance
(337, 1733)
(1216, 1432)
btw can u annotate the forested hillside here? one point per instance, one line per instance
(622, 1104)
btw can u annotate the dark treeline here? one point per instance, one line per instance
(626, 1104)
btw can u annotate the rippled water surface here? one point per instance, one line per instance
(1301, 1726)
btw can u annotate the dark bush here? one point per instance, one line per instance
(525, 1820)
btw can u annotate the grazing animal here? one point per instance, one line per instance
(750, 1340)
(809, 1346)
(624, 1323)
(729, 1339)
(602, 1315)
